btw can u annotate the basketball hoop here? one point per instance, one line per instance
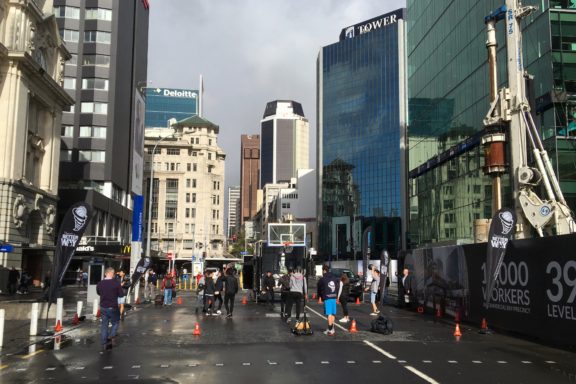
(288, 247)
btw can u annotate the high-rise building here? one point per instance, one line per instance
(361, 139)
(284, 141)
(103, 134)
(31, 104)
(233, 200)
(188, 193)
(249, 176)
(163, 104)
(448, 100)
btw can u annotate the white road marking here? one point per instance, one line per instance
(351, 362)
(324, 362)
(299, 362)
(272, 362)
(402, 361)
(135, 367)
(452, 362)
(108, 367)
(325, 318)
(246, 364)
(502, 362)
(21, 369)
(427, 361)
(219, 364)
(376, 361)
(408, 367)
(164, 365)
(476, 361)
(79, 368)
(50, 368)
(550, 362)
(193, 365)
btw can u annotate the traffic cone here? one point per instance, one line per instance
(457, 332)
(484, 326)
(75, 320)
(179, 300)
(58, 327)
(353, 327)
(196, 330)
(357, 301)
(244, 300)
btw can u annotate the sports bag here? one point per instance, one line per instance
(382, 325)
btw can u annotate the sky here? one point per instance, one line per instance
(249, 52)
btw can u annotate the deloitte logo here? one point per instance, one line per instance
(176, 93)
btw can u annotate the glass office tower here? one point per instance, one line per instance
(448, 99)
(361, 134)
(163, 104)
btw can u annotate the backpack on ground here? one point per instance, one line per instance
(382, 325)
(302, 327)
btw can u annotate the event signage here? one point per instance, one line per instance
(182, 93)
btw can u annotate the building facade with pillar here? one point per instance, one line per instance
(188, 194)
(32, 57)
(249, 176)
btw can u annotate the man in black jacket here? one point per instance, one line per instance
(328, 287)
(209, 293)
(269, 283)
(406, 289)
(230, 290)
(219, 285)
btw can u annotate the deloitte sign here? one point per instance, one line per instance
(181, 93)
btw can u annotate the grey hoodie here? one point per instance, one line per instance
(297, 282)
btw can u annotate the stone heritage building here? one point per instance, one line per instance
(32, 58)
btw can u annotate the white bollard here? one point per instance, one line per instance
(79, 307)
(137, 293)
(2, 316)
(34, 320)
(59, 309)
(95, 309)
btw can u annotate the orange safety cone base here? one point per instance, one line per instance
(196, 330)
(358, 301)
(353, 327)
(244, 300)
(58, 327)
(179, 299)
(457, 332)
(75, 320)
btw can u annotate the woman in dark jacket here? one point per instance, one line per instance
(209, 294)
(343, 296)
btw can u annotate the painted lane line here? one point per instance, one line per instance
(526, 362)
(19, 369)
(325, 318)
(32, 354)
(272, 362)
(476, 361)
(193, 365)
(550, 362)
(246, 364)
(421, 375)
(376, 362)
(452, 362)
(402, 361)
(164, 365)
(324, 362)
(299, 362)
(418, 373)
(79, 368)
(135, 377)
(350, 362)
(219, 364)
(373, 346)
(51, 368)
(108, 367)
(502, 362)
(135, 367)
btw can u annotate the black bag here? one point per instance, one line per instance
(382, 325)
(159, 300)
(173, 292)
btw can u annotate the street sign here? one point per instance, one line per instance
(6, 248)
(193, 258)
(243, 252)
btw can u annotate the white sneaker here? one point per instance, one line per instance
(374, 314)
(219, 312)
(343, 320)
(329, 332)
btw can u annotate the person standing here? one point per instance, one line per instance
(230, 289)
(168, 284)
(13, 277)
(298, 288)
(200, 286)
(125, 284)
(84, 279)
(209, 294)
(109, 291)
(328, 287)
(374, 287)
(344, 296)
(269, 285)
(150, 291)
(406, 289)
(219, 286)
(284, 283)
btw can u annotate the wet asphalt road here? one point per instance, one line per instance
(156, 345)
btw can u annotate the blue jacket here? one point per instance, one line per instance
(328, 286)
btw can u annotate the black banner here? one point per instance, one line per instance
(71, 230)
(141, 268)
(534, 294)
(502, 229)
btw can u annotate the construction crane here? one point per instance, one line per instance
(510, 113)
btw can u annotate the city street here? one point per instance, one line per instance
(156, 345)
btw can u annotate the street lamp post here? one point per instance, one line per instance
(149, 224)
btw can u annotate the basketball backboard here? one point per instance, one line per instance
(287, 234)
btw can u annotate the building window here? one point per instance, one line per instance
(172, 184)
(67, 131)
(98, 60)
(69, 83)
(173, 151)
(209, 156)
(188, 183)
(193, 183)
(197, 140)
(193, 212)
(97, 37)
(194, 167)
(67, 12)
(209, 141)
(65, 155)
(92, 156)
(94, 107)
(188, 244)
(286, 205)
(188, 197)
(188, 167)
(94, 83)
(93, 131)
(194, 153)
(193, 197)
(73, 59)
(187, 213)
(69, 36)
(98, 14)
(170, 212)
(156, 152)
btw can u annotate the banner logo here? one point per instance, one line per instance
(507, 221)
(80, 215)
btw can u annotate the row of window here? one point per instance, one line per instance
(188, 228)
(87, 60)
(85, 131)
(72, 36)
(84, 156)
(87, 83)
(90, 14)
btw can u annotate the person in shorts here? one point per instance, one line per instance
(374, 288)
(328, 286)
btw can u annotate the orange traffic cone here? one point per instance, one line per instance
(319, 300)
(457, 332)
(357, 301)
(98, 313)
(196, 330)
(58, 327)
(484, 326)
(244, 300)
(353, 327)
(75, 320)
(179, 300)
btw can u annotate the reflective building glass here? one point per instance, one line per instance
(360, 135)
(163, 104)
